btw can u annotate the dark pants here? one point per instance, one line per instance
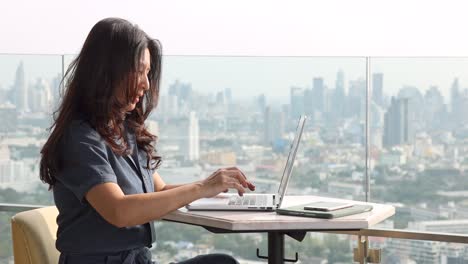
(210, 259)
(140, 256)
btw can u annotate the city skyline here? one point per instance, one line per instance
(251, 76)
(416, 141)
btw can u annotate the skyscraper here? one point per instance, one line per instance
(40, 98)
(9, 118)
(454, 95)
(434, 107)
(355, 102)
(308, 102)
(275, 125)
(297, 102)
(193, 138)
(318, 93)
(396, 125)
(377, 88)
(338, 100)
(261, 102)
(183, 92)
(21, 90)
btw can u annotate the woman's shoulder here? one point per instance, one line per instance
(81, 131)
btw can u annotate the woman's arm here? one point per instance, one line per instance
(128, 210)
(160, 185)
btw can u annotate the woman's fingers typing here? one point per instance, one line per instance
(223, 179)
(248, 184)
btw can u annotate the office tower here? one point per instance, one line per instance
(297, 102)
(228, 95)
(266, 126)
(55, 90)
(21, 90)
(459, 101)
(355, 102)
(454, 95)
(377, 88)
(220, 98)
(434, 107)
(261, 103)
(338, 100)
(167, 107)
(184, 93)
(275, 125)
(376, 124)
(4, 95)
(396, 125)
(308, 102)
(415, 109)
(9, 116)
(40, 98)
(318, 93)
(193, 138)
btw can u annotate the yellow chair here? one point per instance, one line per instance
(34, 234)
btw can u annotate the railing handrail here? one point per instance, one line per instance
(372, 232)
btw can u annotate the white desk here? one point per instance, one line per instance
(279, 225)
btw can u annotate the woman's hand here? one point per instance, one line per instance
(224, 179)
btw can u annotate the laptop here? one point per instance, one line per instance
(254, 202)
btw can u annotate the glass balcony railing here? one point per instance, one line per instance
(389, 130)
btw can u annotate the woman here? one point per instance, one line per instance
(100, 160)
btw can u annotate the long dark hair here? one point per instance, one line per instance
(106, 66)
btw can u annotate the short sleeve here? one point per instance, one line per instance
(84, 160)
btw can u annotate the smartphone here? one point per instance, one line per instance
(326, 206)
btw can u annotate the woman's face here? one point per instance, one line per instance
(142, 80)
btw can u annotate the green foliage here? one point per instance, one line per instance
(310, 247)
(40, 196)
(6, 248)
(168, 249)
(240, 244)
(339, 250)
(167, 231)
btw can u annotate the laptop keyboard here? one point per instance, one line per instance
(250, 200)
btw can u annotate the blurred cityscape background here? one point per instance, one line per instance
(242, 111)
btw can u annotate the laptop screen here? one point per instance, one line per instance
(290, 161)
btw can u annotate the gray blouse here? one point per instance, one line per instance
(86, 162)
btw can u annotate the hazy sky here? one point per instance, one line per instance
(273, 76)
(331, 28)
(246, 27)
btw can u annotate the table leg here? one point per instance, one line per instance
(275, 247)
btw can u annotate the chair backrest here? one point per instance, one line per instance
(34, 234)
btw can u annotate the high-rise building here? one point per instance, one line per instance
(377, 88)
(459, 104)
(434, 107)
(55, 90)
(183, 91)
(228, 95)
(261, 102)
(275, 125)
(396, 123)
(318, 93)
(338, 100)
(297, 102)
(454, 95)
(9, 116)
(193, 138)
(308, 102)
(20, 89)
(355, 102)
(40, 98)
